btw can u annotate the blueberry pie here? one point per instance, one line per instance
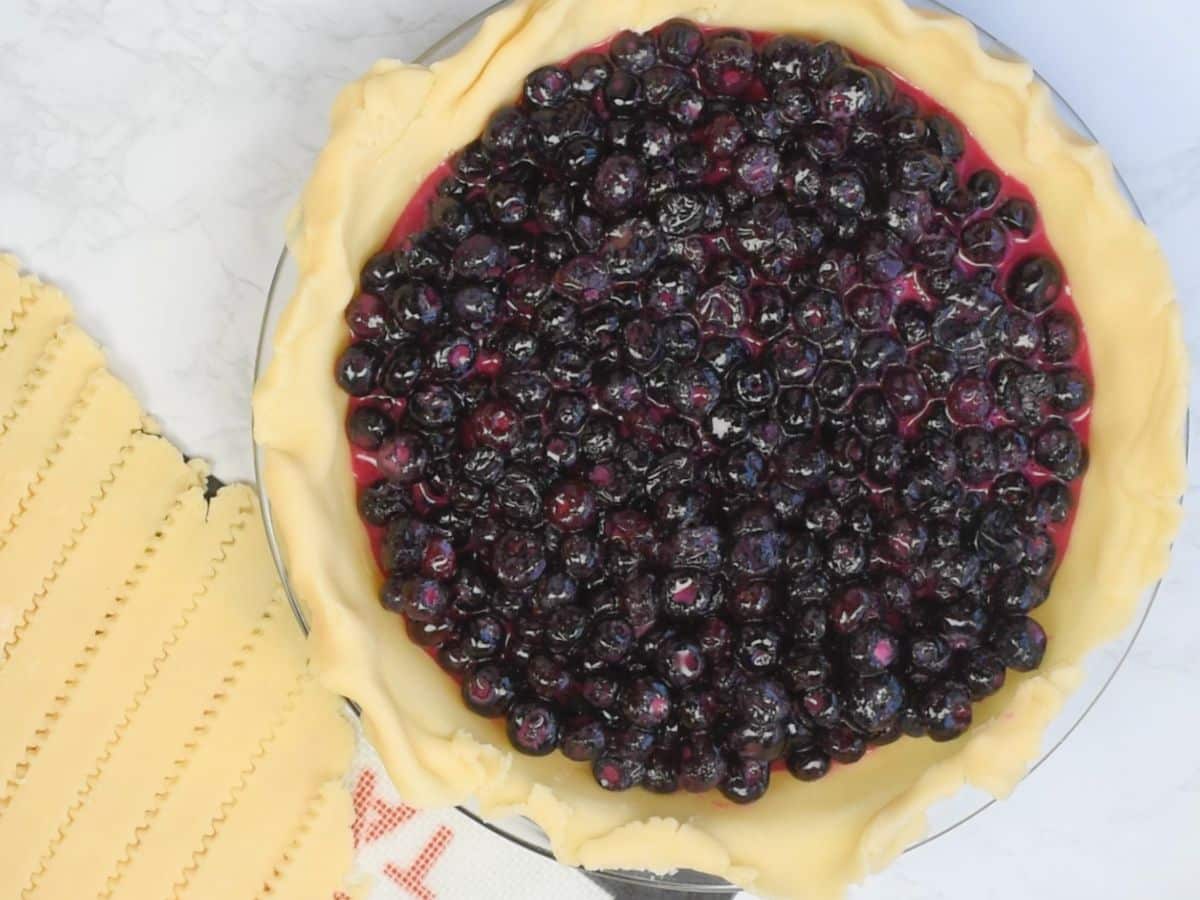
(717, 430)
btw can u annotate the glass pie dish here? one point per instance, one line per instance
(945, 815)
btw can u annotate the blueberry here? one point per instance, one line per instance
(369, 318)
(583, 279)
(727, 65)
(928, 656)
(945, 138)
(970, 400)
(917, 169)
(845, 555)
(548, 86)
(368, 428)
(938, 369)
(985, 242)
(480, 257)
(689, 595)
(506, 133)
(1012, 449)
(762, 742)
(963, 624)
(807, 669)
(872, 413)
(660, 776)
(851, 92)
(1053, 503)
(488, 689)
(823, 61)
(533, 728)
(701, 766)
(757, 167)
(680, 661)
(854, 607)
(758, 647)
(1035, 284)
(904, 390)
(1020, 642)
(872, 649)
(590, 72)
(695, 548)
(945, 710)
(612, 640)
(1071, 390)
(382, 273)
(763, 702)
(1018, 215)
(746, 780)
(679, 42)
(518, 559)
(783, 59)
(633, 52)
(808, 763)
(404, 544)
(984, 187)
(618, 182)
(1058, 448)
(583, 741)
(983, 673)
(834, 384)
(421, 600)
(617, 772)
(751, 602)
(1060, 336)
(474, 307)
(484, 637)
(358, 369)
(383, 501)
(646, 703)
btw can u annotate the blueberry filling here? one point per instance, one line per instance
(720, 412)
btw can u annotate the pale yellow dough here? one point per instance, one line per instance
(162, 737)
(391, 128)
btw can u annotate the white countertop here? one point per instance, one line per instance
(150, 149)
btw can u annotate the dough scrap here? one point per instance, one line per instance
(163, 737)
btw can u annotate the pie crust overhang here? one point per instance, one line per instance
(392, 128)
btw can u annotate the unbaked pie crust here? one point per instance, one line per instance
(392, 128)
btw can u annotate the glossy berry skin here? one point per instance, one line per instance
(746, 781)
(618, 772)
(701, 767)
(647, 703)
(402, 458)
(1020, 643)
(983, 674)
(583, 741)
(533, 728)
(488, 690)
(358, 368)
(946, 710)
(722, 414)
(367, 428)
(808, 764)
(874, 704)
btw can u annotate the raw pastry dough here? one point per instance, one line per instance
(162, 735)
(392, 128)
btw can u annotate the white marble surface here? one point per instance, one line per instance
(149, 150)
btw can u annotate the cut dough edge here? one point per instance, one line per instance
(124, 582)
